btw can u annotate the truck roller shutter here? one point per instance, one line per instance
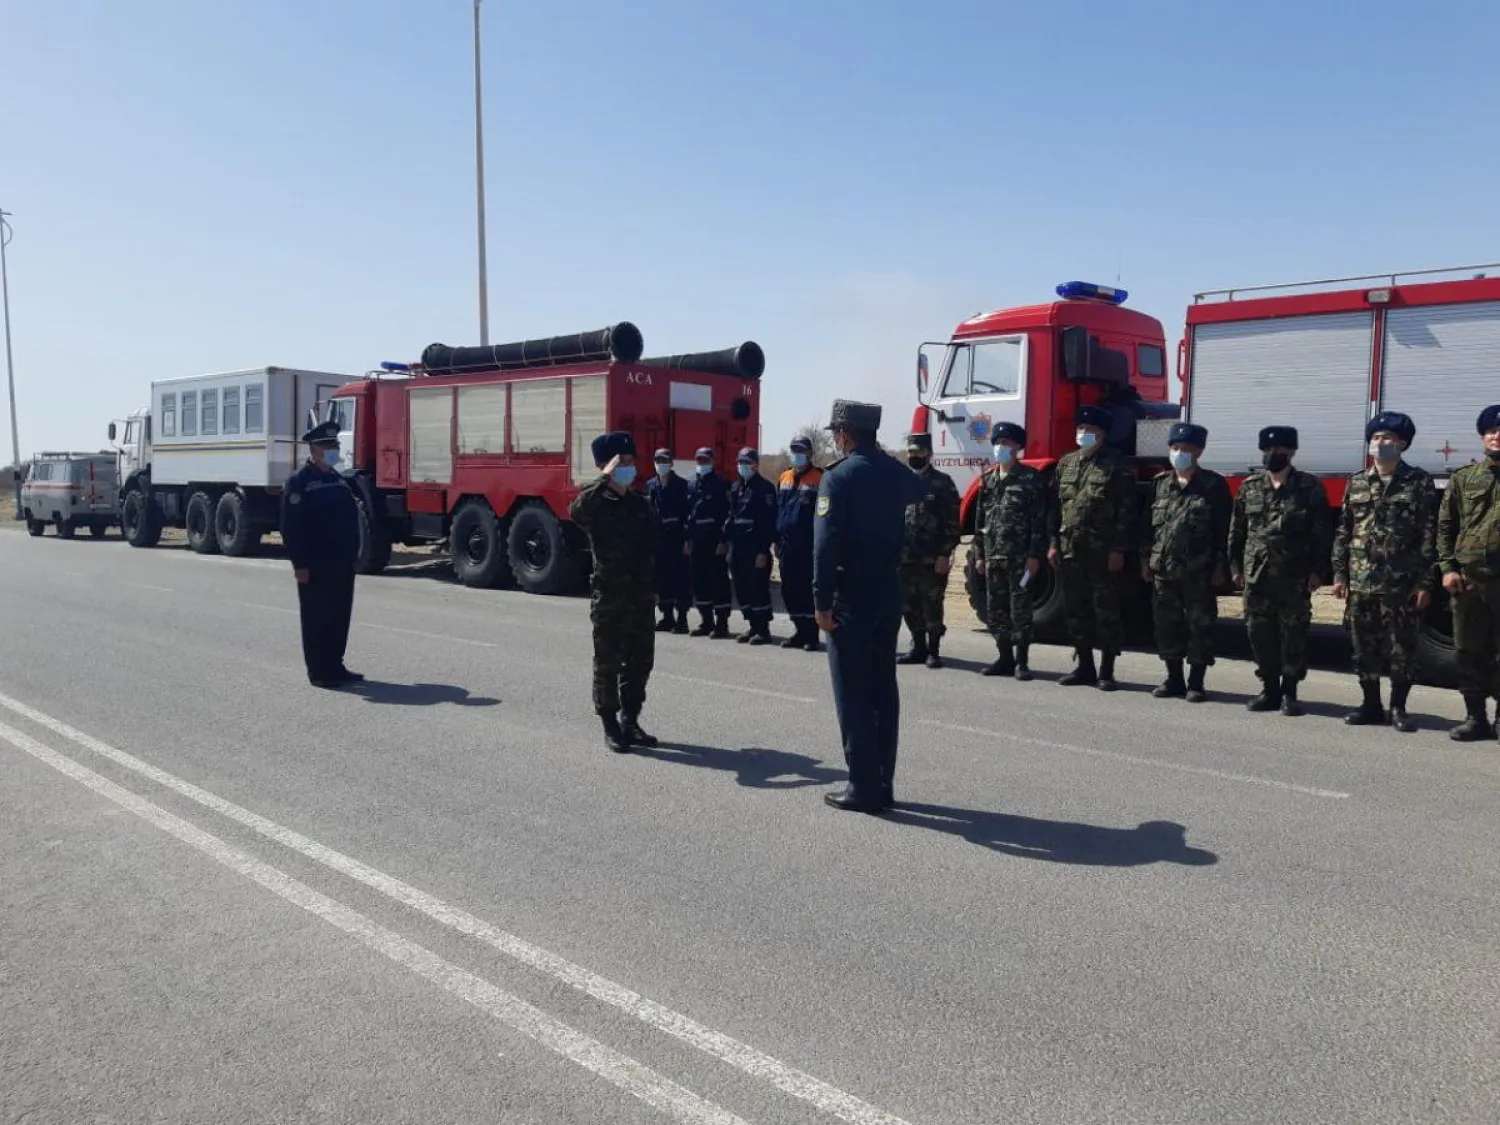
(431, 420)
(1311, 372)
(1442, 366)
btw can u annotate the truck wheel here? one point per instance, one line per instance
(140, 522)
(540, 557)
(35, 528)
(1048, 620)
(975, 586)
(1437, 657)
(98, 530)
(233, 530)
(65, 528)
(476, 544)
(200, 524)
(374, 542)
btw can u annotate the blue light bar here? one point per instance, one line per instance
(389, 366)
(1088, 291)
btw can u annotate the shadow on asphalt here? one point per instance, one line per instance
(1058, 841)
(419, 695)
(756, 769)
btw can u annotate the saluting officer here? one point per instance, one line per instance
(320, 527)
(668, 494)
(708, 509)
(857, 536)
(1185, 556)
(932, 534)
(1280, 539)
(1092, 513)
(796, 497)
(1012, 530)
(1385, 563)
(622, 535)
(1469, 554)
(751, 531)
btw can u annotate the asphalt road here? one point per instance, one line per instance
(227, 897)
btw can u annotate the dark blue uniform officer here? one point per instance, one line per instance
(668, 494)
(708, 509)
(751, 531)
(857, 535)
(320, 527)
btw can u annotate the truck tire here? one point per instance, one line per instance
(1437, 656)
(200, 524)
(35, 528)
(140, 522)
(540, 557)
(98, 530)
(374, 542)
(233, 529)
(1048, 622)
(975, 586)
(476, 544)
(66, 529)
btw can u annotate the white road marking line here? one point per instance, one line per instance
(1133, 759)
(625, 1072)
(147, 586)
(735, 687)
(826, 1097)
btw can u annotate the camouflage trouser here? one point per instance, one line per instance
(1383, 629)
(1186, 614)
(922, 592)
(1091, 602)
(1476, 635)
(1008, 606)
(624, 652)
(1278, 616)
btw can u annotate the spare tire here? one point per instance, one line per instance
(477, 546)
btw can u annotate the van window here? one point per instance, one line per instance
(189, 413)
(44, 471)
(231, 410)
(1152, 361)
(168, 417)
(254, 410)
(210, 413)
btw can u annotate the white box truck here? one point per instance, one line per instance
(211, 453)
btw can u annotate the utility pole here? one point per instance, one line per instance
(10, 363)
(484, 281)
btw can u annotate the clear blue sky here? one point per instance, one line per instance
(200, 185)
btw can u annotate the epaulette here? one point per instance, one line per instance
(836, 464)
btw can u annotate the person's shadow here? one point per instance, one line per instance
(1057, 841)
(754, 768)
(419, 695)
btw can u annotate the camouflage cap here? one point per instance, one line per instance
(847, 415)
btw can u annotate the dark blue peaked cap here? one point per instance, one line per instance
(324, 433)
(609, 446)
(1187, 433)
(1397, 423)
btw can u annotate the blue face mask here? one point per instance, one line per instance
(1181, 460)
(799, 460)
(1087, 439)
(746, 472)
(663, 468)
(703, 470)
(625, 475)
(331, 458)
(1004, 455)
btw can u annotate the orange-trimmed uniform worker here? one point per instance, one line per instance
(796, 503)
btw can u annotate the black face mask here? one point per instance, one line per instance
(917, 462)
(1275, 462)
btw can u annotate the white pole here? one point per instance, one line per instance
(10, 363)
(484, 281)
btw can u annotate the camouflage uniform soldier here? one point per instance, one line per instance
(1385, 563)
(1012, 527)
(932, 534)
(1468, 548)
(1279, 543)
(1185, 555)
(1092, 518)
(622, 533)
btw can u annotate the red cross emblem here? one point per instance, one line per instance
(1447, 451)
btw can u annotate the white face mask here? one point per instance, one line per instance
(1181, 460)
(1087, 439)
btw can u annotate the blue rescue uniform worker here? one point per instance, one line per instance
(751, 532)
(320, 527)
(708, 509)
(796, 498)
(668, 494)
(857, 535)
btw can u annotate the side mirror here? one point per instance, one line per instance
(112, 431)
(1075, 354)
(922, 373)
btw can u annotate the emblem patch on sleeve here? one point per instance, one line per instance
(294, 498)
(822, 505)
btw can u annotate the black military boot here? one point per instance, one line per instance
(705, 626)
(721, 625)
(1173, 687)
(1400, 690)
(1477, 725)
(1289, 705)
(798, 639)
(917, 654)
(614, 737)
(1370, 713)
(745, 637)
(665, 624)
(1269, 698)
(630, 730)
(1085, 674)
(1196, 693)
(760, 632)
(1107, 672)
(934, 645)
(1023, 662)
(1006, 664)
(681, 626)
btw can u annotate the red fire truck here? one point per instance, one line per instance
(485, 447)
(1324, 356)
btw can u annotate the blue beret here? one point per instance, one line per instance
(607, 447)
(1186, 433)
(1285, 436)
(1397, 423)
(324, 433)
(1094, 416)
(801, 445)
(748, 454)
(704, 454)
(1011, 431)
(1489, 418)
